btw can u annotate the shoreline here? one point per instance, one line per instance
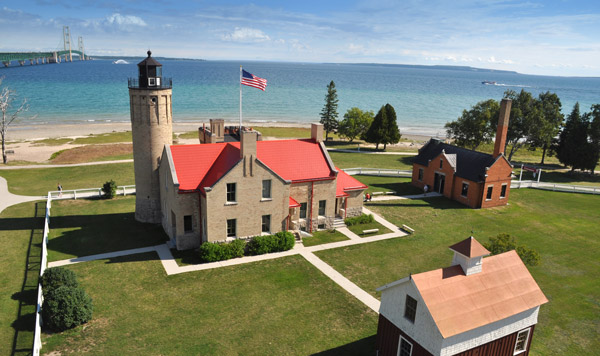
(40, 132)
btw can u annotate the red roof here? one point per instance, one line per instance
(346, 183)
(294, 203)
(470, 248)
(201, 165)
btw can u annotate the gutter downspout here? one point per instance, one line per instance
(312, 191)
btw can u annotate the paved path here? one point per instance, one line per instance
(397, 197)
(33, 166)
(171, 267)
(373, 153)
(7, 198)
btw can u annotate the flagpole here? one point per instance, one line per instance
(240, 102)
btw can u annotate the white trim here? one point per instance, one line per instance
(463, 183)
(486, 190)
(516, 352)
(400, 344)
(503, 185)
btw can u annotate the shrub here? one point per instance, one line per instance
(504, 242)
(109, 189)
(281, 241)
(357, 220)
(56, 277)
(212, 252)
(66, 307)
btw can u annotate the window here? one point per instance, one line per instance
(465, 189)
(302, 210)
(503, 191)
(489, 193)
(231, 193)
(522, 339)
(321, 226)
(441, 163)
(410, 308)
(420, 174)
(266, 223)
(404, 347)
(266, 189)
(187, 223)
(231, 228)
(322, 204)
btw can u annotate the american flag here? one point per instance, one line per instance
(251, 80)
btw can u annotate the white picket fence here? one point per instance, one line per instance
(54, 195)
(555, 187)
(378, 172)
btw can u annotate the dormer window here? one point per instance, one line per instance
(410, 308)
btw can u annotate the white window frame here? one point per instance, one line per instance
(463, 184)
(227, 192)
(400, 345)
(486, 192)
(269, 197)
(528, 331)
(506, 190)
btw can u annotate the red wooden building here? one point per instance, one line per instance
(476, 179)
(483, 307)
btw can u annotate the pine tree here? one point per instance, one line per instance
(391, 132)
(329, 113)
(595, 135)
(573, 147)
(375, 133)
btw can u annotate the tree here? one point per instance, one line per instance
(391, 131)
(473, 127)
(504, 243)
(375, 132)
(594, 135)
(109, 189)
(543, 133)
(525, 113)
(573, 148)
(9, 114)
(355, 124)
(329, 113)
(65, 308)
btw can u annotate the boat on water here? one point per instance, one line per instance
(488, 82)
(120, 61)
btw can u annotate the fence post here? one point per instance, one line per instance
(100, 192)
(75, 194)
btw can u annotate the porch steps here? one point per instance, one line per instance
(338, 223)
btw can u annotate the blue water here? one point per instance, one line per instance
(424, 98)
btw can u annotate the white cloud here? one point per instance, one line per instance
(246, 34)
(121, 21)
(493, 59)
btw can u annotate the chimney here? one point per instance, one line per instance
(502, 127)
(469, 255)
(248, 151)
(316, 132)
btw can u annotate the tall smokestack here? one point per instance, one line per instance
(502, 127)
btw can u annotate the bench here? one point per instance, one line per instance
(408, 229)
(370, 231)
(377, 193)
(391, 192)
(8, 152)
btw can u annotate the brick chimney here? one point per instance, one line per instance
(248, 151)
(502, 127)
(316, 132)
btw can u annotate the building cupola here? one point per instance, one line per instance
(469, 255)
(150, 72)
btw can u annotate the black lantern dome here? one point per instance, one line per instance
(150, 75)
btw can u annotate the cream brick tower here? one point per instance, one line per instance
(151, 124)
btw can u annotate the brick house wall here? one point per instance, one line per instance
(473, 197)
(499, 174)
(321, 190)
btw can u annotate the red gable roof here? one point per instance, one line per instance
(201, 165)
(345, 183)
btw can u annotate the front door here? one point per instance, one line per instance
(438, 184)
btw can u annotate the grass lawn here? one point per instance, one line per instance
(562, 227)
(277, 307)
(20, 236)
(323, 237)
(352, 160)
(113, 137)
(87, 227)
(40, 181)
(400, 185)
(358, 229)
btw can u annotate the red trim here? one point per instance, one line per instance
(312, 180)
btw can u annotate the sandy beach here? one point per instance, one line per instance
(22, 138)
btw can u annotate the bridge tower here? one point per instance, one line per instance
(67, 42)
(81, 49)
(151, 125)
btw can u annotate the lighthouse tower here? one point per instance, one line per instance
(151, 125)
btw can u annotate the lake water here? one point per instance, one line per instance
(424, 98)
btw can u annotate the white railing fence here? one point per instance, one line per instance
(378, 172)
(54, 195)
(555, 187)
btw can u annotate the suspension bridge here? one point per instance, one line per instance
(65, 54)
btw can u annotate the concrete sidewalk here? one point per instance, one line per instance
(8, 199)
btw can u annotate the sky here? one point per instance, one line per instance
(545, 37)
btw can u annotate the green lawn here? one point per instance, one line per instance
(351, 160)
(39, 181)
(400, 185)
(87, 227)
(358, 229)
(323, 237)
(21, 229)
(562, 227)
(113, 137)
(276, 307)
